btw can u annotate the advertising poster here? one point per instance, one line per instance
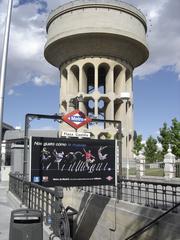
(72, 162)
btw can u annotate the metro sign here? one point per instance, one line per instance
(76, 119)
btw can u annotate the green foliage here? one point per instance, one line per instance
(138, 146)
(170, 135)
(164, 138)
(150, 150)
(167, 135)
(159, 156)
(175, 137)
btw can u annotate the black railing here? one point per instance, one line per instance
(152, 223)
(162, 195)
(47, 200)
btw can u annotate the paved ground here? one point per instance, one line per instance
(5, 212)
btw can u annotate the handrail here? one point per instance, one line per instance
(151, 224)
(20, 177)
(48, 201)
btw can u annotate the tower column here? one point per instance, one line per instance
(110, 80)
(96, 78)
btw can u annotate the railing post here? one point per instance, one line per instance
(58, 201)
(169, 164)
(60, 221)
(140, 165)
(23, 191)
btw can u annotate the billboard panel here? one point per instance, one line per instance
(72, 162)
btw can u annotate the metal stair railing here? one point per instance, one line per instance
(151, 224)
(48, 201)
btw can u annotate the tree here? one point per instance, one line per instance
(164, 138)
(170, 135)
(150, 150)
(175, 137)
(138, 146)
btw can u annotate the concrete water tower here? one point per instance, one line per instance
(96, 44)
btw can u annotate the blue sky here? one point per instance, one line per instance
(32, 85)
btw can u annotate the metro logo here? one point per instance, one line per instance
(76, 119)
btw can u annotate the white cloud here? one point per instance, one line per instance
(26, 58)
(10, 92)
(163, 37)
(43, 80)
(27, 39)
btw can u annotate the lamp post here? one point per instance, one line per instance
(3, 67)
(74, 102)
(125, 97)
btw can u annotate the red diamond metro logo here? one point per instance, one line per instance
(109, 178)
(76, 119)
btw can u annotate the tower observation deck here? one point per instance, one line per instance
(96, 44)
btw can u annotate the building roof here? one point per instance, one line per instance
(7, 126)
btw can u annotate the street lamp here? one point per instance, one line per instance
(74, 102)
(4, 66)
(125, 97)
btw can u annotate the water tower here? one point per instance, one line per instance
(96, 44)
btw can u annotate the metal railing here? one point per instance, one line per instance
(152, 223)
(162, 195)
(47, 200)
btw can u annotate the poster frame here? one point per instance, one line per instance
(66, 139)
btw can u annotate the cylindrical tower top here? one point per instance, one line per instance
(107, 28)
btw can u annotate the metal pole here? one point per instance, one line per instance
(119, 186)
(26, 128)
(3, 68)
(120, 149)
(126, 139)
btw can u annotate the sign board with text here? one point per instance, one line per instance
(76, 134)
(76, 119)
(72, 162)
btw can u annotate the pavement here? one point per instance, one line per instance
(5, 211)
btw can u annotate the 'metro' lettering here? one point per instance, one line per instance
(76, 119)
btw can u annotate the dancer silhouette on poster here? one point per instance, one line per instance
(100, 155)
(58, 157)
(89, 158)
(45, 156)
(74, 156)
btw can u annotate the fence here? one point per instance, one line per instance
(160, 195)
(151, 169)
(152, 194)
(48, 201)
(33, 196)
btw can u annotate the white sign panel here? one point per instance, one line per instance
(75, 134)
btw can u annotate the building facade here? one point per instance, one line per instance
(96, 45)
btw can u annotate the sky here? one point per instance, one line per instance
(32, 84)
